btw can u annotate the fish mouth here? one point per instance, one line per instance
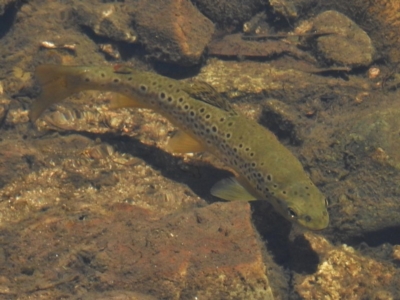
(316, 226)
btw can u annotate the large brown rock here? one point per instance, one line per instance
(210, 253)
(228, 12)
(173, 31)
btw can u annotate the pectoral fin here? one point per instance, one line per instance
(230, 189)
(181, 142)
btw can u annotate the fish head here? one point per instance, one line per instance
(304, 204)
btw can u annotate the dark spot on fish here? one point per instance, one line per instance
(116, 80)
(208, 116)
(284, 192)
(103, 75)
(269, 177)
(129, 78)
(202, 110)
(275, 186)
(228, 135)
(251, 154)
(186, 107)
(87, 79)
(307, 218)
(143, 88)
(214, 129)
(230, 124)
(180, 100)
(222, 119)
(162, 95)
(253, 164)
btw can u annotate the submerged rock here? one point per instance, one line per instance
(285, 8)
(209, 253)
(106, 20)
(173, 31)
(344, 273)
(228, 12)
(376, 135)
(250, 77)
(234, 45)
(4, 4)
(348, 45)
(387, 14)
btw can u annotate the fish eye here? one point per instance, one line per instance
(291, 213)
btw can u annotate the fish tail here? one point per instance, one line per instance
(57, 82)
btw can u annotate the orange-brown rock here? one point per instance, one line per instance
(209, 253)
(344, 273)
(387, 13)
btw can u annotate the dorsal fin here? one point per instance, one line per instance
(123, 69)
(202, 91)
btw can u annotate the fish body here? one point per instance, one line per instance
(265, 169)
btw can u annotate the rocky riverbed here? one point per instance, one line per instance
(92, 206)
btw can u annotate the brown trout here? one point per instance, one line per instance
(265, 169)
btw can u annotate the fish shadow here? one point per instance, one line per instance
(198, 177)
(288, 249)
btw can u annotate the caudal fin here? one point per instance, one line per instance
(56, 86)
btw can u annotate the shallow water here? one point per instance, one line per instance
(92, 206)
